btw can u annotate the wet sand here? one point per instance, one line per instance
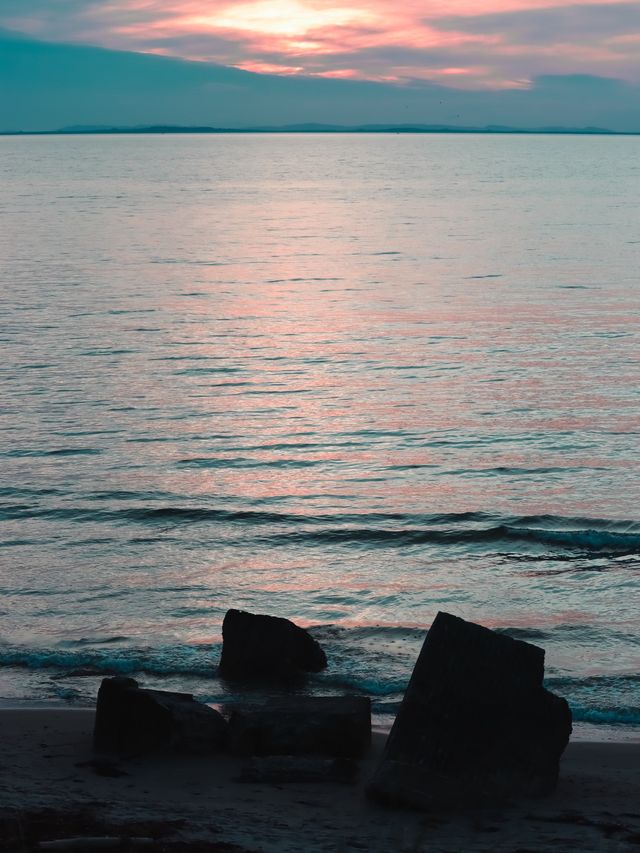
(43, 765)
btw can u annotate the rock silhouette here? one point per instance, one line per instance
(130, 719)
(264, 647)
(338, 726)
(475, 726)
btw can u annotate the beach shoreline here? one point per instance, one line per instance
(45, 764)
(381, 723)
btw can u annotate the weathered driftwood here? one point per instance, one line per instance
(338, 726)
(286, 769)
(261, 647)
(130, 719)
(475, 725)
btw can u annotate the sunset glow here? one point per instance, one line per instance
(493, 44)
(281, 17)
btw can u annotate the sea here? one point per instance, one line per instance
(348, 379)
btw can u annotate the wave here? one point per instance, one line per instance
(601, 700)
(606, 716)
(361, 529)
(59, 451)
(245, 462)
(199, 660)
(590, 539)
(583, 540)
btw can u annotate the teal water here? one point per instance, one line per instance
(351, 380)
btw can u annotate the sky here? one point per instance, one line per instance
(527, 63)
(464, 43)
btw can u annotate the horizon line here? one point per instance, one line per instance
(311, 128)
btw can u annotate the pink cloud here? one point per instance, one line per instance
(470, 43)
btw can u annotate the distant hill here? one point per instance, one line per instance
(320, 128)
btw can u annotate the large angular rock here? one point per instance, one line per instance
(475, 726)
(338, 726)
(267, 648)
(130, 719)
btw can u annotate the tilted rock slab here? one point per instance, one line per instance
(261, 647)
(338, 726)
(132, 720)
(475, 726)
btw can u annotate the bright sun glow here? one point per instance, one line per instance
(281, 17)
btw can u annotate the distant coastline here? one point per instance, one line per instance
(83, 130)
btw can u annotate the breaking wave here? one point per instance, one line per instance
(598, 700)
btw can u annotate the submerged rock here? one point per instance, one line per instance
(338, 726)
(475, 726)
(267, 647)
(130, 719)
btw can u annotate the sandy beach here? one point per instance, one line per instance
(44, 766)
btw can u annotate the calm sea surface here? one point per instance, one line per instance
(350, 380)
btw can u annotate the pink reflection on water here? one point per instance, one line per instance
(409, 373)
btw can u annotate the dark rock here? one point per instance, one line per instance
(475, 726)
(303, 725)
(284, 770)
(130, 719)
(267, 647)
